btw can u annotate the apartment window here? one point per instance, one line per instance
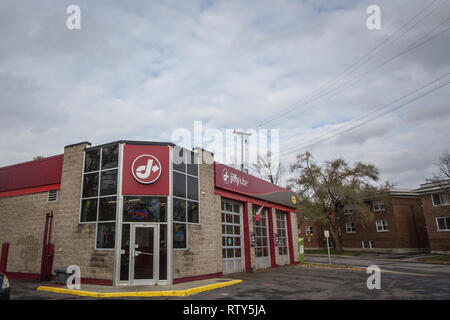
(440, 199)
(364, 245)
(371, 245)
(382, 226)
(378, 205)
(350, 227)
(99, 193)
(309, 230)
(443, 223)
(186, 209)
(348, 210)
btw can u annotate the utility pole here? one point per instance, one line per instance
(242, 134)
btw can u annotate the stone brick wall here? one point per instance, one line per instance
(74, 242)
(204, 252)
(294, 227)
(22, 225)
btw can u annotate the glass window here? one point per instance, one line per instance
(92, 160)
(179, 185)
(179, 236)
(108, 183)
(179, 163)
(144, 209)
(88, 210)
(193, 212)
(179, 210)
(192, 165)
(90, 185)
(106, 235)
(110, 157)
(192, 188)
(443, 223)
(107, 209)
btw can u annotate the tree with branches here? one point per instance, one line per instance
(443, 172)
(269, 168)
(324, 190)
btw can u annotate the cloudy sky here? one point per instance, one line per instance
(139, 70)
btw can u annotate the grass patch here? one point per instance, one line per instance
(333, 252)
(442, 258)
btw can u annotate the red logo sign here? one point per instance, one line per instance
(146, 169)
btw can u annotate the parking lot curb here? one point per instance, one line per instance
(168, 293)
(331, 266)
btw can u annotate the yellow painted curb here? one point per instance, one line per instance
(173, 293)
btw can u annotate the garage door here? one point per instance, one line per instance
(232, 237)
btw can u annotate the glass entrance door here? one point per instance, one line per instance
(144, 254)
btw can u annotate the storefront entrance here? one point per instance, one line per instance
(144, 254)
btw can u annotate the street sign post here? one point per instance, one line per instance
(327, 235)
(301, 247)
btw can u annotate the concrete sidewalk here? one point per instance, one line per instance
(181, 289)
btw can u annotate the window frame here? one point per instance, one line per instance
(309, 230)
(442, 203)
(446, 224)
(186, 199)
(348, 210)
(384, 222)
(98, 196)
(352, 227)
(378, 204)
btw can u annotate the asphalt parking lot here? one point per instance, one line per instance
(398, 281)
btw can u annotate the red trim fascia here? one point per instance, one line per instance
(246, 238)
(23, 276)
(199, 277)
(37, 276)
(19, 192)
(273, 262)
(243, 198)
(290, 243)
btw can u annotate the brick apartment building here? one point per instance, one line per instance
(436, 208)
(398, 225)
(132, 212)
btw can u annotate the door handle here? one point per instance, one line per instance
(137, 253)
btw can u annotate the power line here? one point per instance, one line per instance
(358, 77)
(374, 118)
(378, 109)
(317, 93)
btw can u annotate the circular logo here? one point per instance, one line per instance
(294, 199)
(225, 176)
(146, 169)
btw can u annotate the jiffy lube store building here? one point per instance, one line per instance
(132, 213)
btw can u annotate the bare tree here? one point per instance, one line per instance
(269, 168)
(444, 168)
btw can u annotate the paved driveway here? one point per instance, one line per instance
(398, 281)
